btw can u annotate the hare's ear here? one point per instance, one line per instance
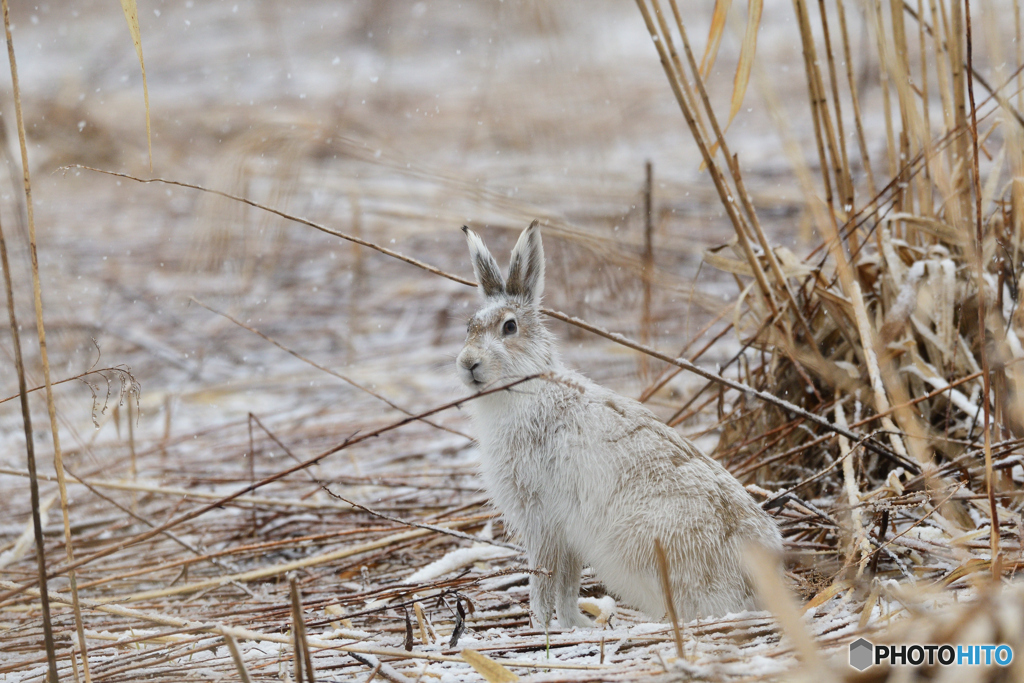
(526, 271)
(486, 269)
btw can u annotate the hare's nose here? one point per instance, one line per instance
(473, 367)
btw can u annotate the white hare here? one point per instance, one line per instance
(588, 477)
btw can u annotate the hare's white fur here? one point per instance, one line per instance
(588, 477)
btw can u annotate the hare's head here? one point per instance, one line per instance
(507, 338)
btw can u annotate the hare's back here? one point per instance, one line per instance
(663, 476)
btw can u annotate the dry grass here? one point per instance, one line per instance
(904, 326)
(213, 535)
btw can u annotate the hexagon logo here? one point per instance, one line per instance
(862, 654)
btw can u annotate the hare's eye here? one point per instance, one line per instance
(509, 327)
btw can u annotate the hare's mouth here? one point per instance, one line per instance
(471, 375)
(470, 379)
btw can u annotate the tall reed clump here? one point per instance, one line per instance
(903, 324)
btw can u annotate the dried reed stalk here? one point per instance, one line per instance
(844, 179)
(982, 304)
(243, 673)
(661, 38)
(851, 84)
(666, 587)
(648, 267)
(31, 459)
(823, 133)
(41, 330)
(303, 660)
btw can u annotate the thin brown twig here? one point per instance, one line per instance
(648, 265)
(558, 315)
(121, 545)
(322, 368)
(419, 525)
(253, 418)
(295, 219)
(134, 515)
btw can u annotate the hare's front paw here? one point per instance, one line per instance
(573, 618)
(568, 603)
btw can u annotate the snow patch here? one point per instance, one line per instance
(457, 559)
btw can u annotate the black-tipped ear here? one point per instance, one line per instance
(486, 269)
(526, 270)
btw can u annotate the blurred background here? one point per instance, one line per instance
(396, 121)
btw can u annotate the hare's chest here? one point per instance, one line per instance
(522, 471)
(518, 470)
